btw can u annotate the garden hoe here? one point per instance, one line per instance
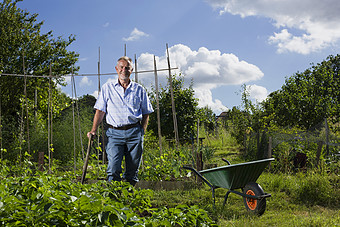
(86, 159)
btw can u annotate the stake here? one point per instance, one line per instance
(158, 113)
(48, 121)
(22, 120)
(26, 102)
(172, 100)
(74, 128)
(102, 123)
(136, 72)
(1, 121)
(77, 109)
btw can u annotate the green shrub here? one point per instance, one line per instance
(182, 215)
(164, 167)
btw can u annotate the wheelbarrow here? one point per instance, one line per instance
(238, 176)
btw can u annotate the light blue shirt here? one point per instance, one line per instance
(123, 108)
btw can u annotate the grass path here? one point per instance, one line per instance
(282, 209)
(303, 199)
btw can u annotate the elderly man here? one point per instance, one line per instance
(127, 108)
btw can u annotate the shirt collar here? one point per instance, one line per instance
(117, 84)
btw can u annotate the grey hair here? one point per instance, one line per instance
(127, 59)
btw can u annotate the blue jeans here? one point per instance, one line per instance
(128, 143)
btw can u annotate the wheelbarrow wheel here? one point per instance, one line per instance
(255, 206)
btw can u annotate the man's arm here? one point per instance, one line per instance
(145, 120)
(98, 117)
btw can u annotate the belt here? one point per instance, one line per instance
(125, 127)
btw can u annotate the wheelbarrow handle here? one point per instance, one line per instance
(86, 159)
(226, 161)
(200, 175)
(212, 187)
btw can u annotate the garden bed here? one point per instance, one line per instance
(166, 185)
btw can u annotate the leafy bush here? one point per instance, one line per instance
(47, 200)
(166, 166)
(182, 215)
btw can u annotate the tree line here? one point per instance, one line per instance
(304, 100)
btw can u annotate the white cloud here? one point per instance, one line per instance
(206, 99)
(106, 25)
(319, 21)
(135, 35)
(95, 94)
(209, 69)
(85, 81)
(258, 93)
(68, 79)
(111, 79)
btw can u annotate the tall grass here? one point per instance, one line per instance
(220, 138)
(309, 188)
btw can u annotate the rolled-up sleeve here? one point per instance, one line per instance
(146, 104)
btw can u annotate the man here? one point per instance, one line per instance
(127, 108)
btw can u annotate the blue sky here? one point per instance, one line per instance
(220, 44)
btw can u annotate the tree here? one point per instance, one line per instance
(24, 50)
(81, 116)
(186, 108)
(242, 121)
(307, 98)
(207, 118)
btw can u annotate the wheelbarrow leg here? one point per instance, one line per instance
(225, 198)
(204, 180)
(213, 196)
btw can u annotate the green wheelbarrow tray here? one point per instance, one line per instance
(238, 176)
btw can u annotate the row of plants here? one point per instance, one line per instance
(34, 198)
(168, 165)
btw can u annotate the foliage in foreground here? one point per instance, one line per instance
(46, 200)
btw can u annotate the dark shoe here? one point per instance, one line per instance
(132, 182)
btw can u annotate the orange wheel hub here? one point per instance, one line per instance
(252, 203)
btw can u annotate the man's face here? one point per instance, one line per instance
(123, 69)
